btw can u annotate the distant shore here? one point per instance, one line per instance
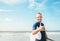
(25, 31)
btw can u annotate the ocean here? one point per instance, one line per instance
(25, 36)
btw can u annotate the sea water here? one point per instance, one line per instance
(25, 36)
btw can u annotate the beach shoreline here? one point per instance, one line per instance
(18, 36)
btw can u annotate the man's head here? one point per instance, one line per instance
(39, 17)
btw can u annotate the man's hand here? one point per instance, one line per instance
(41, 28)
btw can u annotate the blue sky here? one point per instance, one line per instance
(19, 15)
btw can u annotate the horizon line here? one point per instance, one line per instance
(26, 31)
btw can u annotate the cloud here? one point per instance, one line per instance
(56, 3)
(32, 3)
(11, 2)
(56, 10)
(36, 5)
(7, 19)
(3, 10)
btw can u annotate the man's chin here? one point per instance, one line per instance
(39, 21)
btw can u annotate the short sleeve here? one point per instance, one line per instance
(35, 26)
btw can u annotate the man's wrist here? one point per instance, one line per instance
(38, 29)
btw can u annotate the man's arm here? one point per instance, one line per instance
(41, 28)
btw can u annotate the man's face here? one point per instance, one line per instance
(39, 17)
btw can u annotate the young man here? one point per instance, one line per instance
(40, 28)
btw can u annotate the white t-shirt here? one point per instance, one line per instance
(36, 36)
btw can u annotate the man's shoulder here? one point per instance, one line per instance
(36, 23)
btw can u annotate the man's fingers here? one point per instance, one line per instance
(41, 29)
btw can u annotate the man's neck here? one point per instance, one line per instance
(40, 21)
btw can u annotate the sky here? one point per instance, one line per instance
(19, 15)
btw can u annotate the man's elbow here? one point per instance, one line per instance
(33, 33)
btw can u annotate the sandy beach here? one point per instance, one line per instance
(25, 36)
